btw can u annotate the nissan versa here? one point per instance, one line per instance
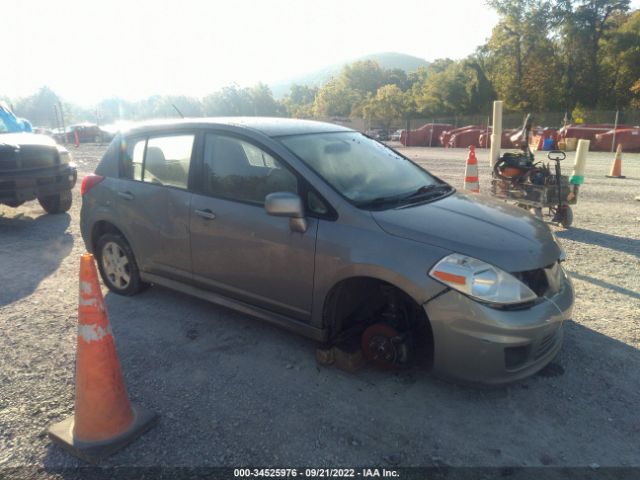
(324, 231)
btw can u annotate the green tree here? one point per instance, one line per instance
(262, 101)
(335, 99)
(388, 105)
(364, 76)
(620, 59)
(585, 27)
(231, 100)
(635, 92)
(519, 56)
(452, 88)
(299, 101)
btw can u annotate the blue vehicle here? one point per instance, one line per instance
(9, 123)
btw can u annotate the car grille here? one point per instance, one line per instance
(27, 157)
(536, 280)
(8, 157)
(542, 281)
(34, 156)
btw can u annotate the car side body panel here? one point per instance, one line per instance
(254, 257)
(158, 221)
(345, 251)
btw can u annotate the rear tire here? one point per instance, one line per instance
(58, 203)
(566, 218)
(117, 265)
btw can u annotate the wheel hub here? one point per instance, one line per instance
(116, 265)
(383, 346)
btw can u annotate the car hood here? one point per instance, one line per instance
(26, 139)
(476, 225)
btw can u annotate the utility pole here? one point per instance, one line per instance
(64, 128)
(615, 128)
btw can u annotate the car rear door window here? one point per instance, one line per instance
(167, 159)
(238, 170)
(159, 160)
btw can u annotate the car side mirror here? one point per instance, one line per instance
(285, 204)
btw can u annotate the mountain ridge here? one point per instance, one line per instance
(316, 78)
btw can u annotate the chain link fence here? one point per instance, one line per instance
(509, 120)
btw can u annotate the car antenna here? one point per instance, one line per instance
(179, 112)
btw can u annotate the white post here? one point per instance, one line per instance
(487, 137)
(496, 134)
(580, 163)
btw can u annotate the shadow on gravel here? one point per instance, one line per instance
(614, 242)
(31, 249)
(603, 284)
(232, 390)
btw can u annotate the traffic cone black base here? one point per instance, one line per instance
(93, 452)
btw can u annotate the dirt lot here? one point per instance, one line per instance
(234, 391)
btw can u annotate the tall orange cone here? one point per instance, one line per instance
(471, 181)
(76, 139)
(104, 419)
(616, 167)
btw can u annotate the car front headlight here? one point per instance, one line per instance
(480, 280)
(65, 156)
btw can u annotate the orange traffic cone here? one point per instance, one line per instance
(616, 167)
(104, 419)
(76, 139)
(471, 181)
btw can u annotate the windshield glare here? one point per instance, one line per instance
(361, 169)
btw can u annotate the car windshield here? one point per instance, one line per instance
(365, 171)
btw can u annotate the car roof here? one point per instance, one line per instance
(270, 126)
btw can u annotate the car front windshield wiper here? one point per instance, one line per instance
(422, 193)
(427, 191)
(379, 202)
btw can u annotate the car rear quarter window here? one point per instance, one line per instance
(238, 170)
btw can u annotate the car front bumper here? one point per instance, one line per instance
(475, 343)
(22, 186)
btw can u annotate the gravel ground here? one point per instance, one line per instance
(233, 391)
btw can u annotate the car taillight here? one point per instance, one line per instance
(89, 182)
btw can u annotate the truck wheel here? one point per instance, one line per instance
(117, 265)
(58, 203)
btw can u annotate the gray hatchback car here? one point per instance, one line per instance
(324, 231)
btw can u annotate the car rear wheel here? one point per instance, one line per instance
(58, 203)
(117, 265)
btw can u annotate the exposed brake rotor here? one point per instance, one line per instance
(384, 347)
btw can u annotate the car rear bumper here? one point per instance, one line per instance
(22, 186)
(475, 343)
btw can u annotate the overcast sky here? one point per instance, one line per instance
(88, 50)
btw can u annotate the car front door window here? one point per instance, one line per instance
(238, 170)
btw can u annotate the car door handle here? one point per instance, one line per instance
(126, 195)
(206, 214)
